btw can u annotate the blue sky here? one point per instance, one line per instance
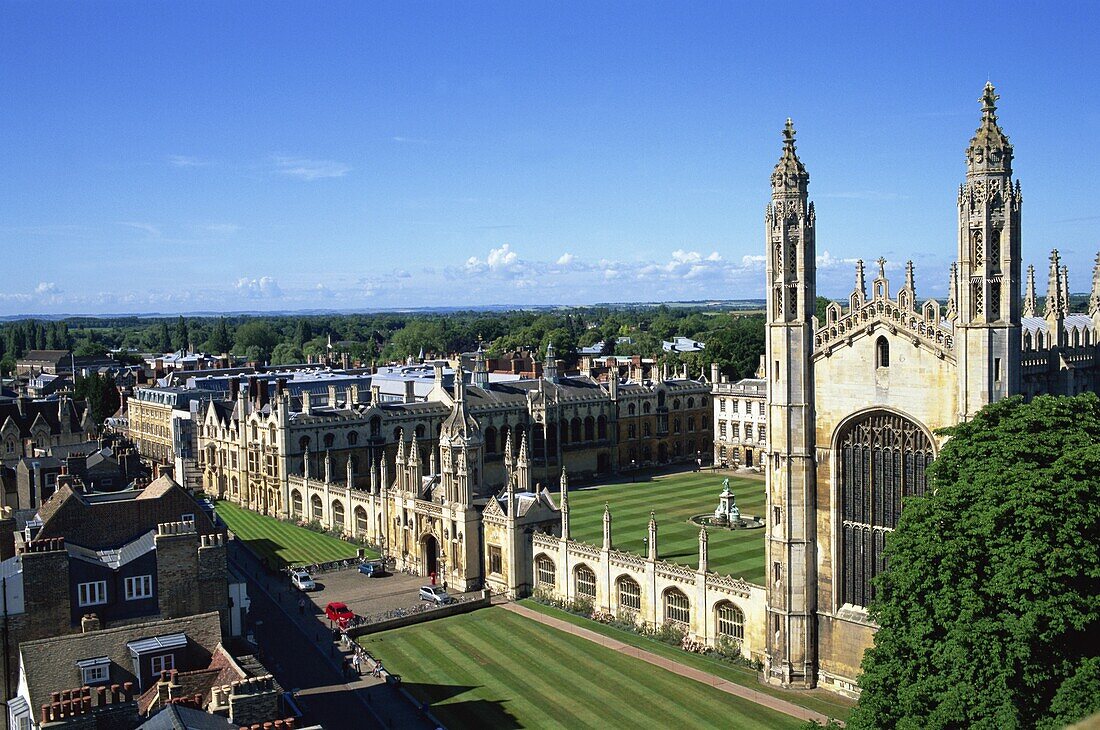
(170, 157)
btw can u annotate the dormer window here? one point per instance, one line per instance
(882, 353)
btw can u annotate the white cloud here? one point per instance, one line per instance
(402, 274)
(264, 287)
(186, 161)
(46, 287)
(565, 259)
(305, 168)
(152, 230)
(826, 260)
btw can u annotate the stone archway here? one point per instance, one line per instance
(429, 554)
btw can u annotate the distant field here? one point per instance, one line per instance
(494, 669)
(280, 542)
(675, 499)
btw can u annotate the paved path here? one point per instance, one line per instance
(787, 708)
(299, 650)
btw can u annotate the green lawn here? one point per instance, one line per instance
(675, 499)
(819, 700)
(280, 542)
(492, 668)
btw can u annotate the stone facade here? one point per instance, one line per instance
(251, 446)
(855, 402)
(740, 420)
(648, 590)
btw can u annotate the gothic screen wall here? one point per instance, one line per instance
(882, 458)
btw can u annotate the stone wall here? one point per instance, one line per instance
(706, 592)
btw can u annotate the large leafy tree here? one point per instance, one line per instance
(993, 587)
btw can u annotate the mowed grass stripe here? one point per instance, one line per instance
(280, 542)
(617, 689)
(675, 499)
(540, 677)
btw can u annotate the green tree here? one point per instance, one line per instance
(219, 341)
(164, 340)
(819, 309)
(286, 353)
(180, 337)
(100, 395)
(994, 580)
(303, 333)
(256, 339)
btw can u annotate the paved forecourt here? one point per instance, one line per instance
(282, 543)
(493, 668)
(675, 498)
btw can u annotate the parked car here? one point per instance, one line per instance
(302, 581)
(339, 614)
(372, 568)
(435, 594)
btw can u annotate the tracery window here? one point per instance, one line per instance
(630, 595)
(882, 353)
(544, 571)
(337, 515)
(677, 608)
(731, 621)
(882, 460)
(586, 582)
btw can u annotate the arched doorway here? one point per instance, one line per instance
(429, 554)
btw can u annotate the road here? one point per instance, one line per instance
(299, 651)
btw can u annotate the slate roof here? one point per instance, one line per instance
(24, 412)
(180, 717)
(114, 558)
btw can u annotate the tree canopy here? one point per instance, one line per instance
(993, 586)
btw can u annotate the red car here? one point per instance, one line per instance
(339, 614)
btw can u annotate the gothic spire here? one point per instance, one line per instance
(1054, 306)
(550, 366)
(789, 178)
(953, 291)
(1094, 299)
(1029, 293)
(861, 281)
(1063, 289)
(909, 282)
(989, 150)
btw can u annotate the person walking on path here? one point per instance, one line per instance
(356, 663)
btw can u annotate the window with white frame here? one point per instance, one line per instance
(187, 517)
(139, 586)
(544, 571)
(734, 405)
(95, 674)
(586, 582)
(721, 405)
(677, 607)
(630, 594)
(731, 621)
(162, 663)
(92, 593)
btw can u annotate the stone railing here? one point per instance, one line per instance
(728, 583)
(584, 550)
(672, 571)
(889, 314)
(540, 540)
(626, 560)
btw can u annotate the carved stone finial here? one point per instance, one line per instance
(989, 97)
(861, 283)
(881, 267)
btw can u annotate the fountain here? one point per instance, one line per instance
(728, 515)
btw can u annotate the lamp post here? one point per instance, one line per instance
(632, 474)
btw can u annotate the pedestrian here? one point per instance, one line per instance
(377, 668)
(356, 662)
(301, 607)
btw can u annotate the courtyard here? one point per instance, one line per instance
(675, 499)
(282, 544)
(492, 668)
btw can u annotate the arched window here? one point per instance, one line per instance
(630, 409)
(329, 440)
(353, 438)
(630, 595)
(397, 434)
(677, 608)
(660, 399)
(882, 459)
(375, 427)
(691, 424)
(691, 403)
(544, 571)
(295, 503)
(316, 508)
(575, 430)
(676, 425)
(632, 432)
(337, 515)
(420, 430)
(647, 430)
(589, 429)
(585, 581)
(882, 353)
(601, 427)
(730, 620)
(360, 521)
(676, 404)
(235, 491)
(490, 440)
(646, 408)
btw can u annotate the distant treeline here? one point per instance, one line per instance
(735, 340)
